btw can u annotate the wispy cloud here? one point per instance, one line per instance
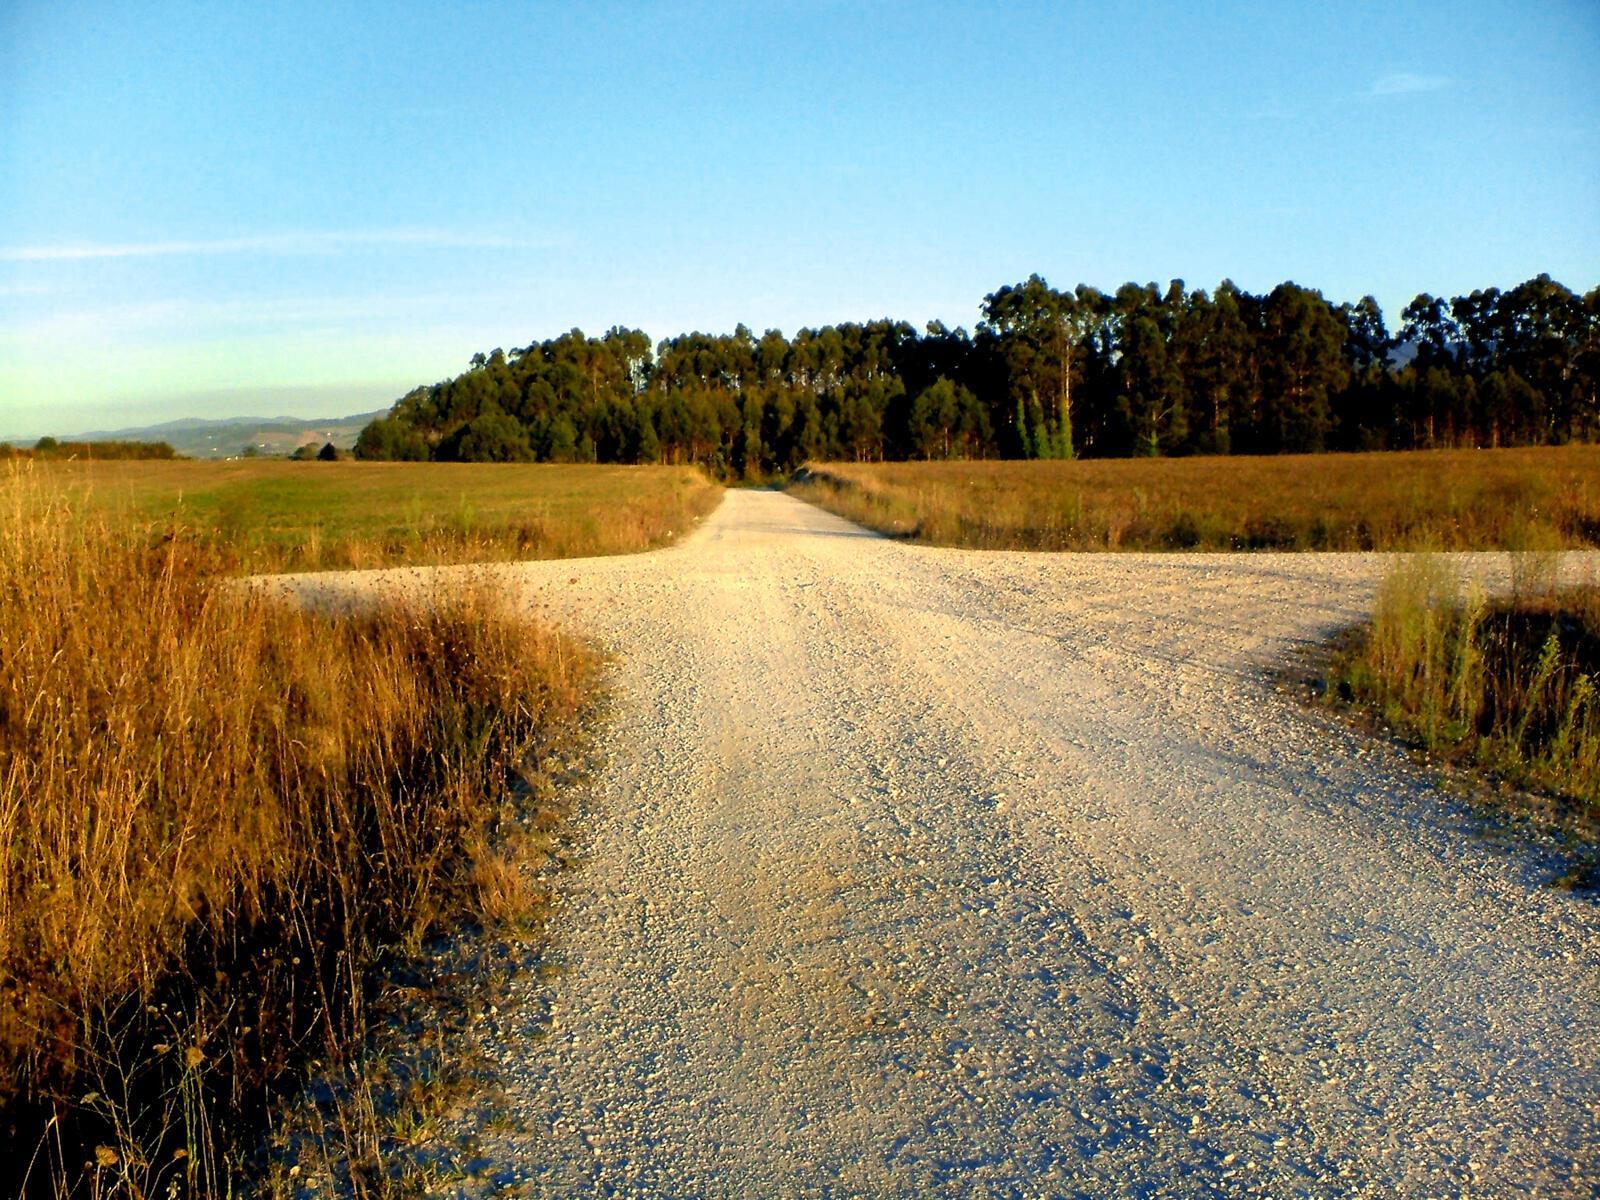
(1404, 83)
(270, 243)
(177, 319)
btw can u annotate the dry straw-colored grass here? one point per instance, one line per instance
(1544, 498)
(1510, 683)
(217, 811)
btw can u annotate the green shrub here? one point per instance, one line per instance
(1509, 684)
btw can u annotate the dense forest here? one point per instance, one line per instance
(1046, 374)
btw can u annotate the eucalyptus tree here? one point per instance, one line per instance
(1303, 368)
(1038, 330)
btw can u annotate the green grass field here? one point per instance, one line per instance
(269, 516)
(1535, 499)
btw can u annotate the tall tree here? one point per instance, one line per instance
(1038, 330)
(1152, 388)
(1303, 367)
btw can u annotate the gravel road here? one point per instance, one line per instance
(921, 872)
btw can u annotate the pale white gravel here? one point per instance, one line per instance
(922, 872)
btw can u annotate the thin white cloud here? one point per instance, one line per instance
(270, 243)
(209, 318)
(1405, 83)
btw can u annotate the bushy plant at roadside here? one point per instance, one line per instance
(1510, 683)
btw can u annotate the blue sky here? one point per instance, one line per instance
(211, 209)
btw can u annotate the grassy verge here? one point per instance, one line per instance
(280, 516)
(218, 812)
(1547, 498)
(1508, 685)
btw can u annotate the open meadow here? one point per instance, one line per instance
(259, 515)
(1527, 499)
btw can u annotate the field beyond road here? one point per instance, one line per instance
(275, 516)
(920, 872)
(1528, 499)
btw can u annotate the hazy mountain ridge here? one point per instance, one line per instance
(226, 437)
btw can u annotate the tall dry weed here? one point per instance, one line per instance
(217, 811)
(1510, 683)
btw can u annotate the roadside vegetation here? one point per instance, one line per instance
(1542, 498)
(1508, 684)
(219, 812)
(258, 515)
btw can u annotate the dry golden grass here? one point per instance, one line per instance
(1543, 498)
(217, 811)
(1509, 685)
(254, 515)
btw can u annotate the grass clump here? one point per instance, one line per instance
(259, 516)
(1542, 498)
(218, 812)
(1508, 684)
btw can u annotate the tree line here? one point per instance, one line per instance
(1046, 373)
(52, 448)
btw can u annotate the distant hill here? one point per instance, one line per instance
(227, 437)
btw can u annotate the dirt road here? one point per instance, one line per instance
(922, 872)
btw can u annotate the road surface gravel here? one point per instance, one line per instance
(924, 872)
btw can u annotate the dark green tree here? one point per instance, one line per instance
(1303, 368)
(492, 437)
(1152, 389)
